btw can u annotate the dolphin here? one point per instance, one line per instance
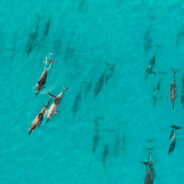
(31, 43)
(55, 104)
(99, 84)
(174, 127)
(155, 92)
(147, 177)
(96, 140)
(37, 121)
(173, 88)
(173, 143)
(150, 66)
(105, 154)
(43, 77)
(151, 169)
(77, 102)
(47, 28)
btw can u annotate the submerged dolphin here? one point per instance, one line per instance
(149, 69)
(174, 127)
(155, 92)
(31, 43)
(173, 143)
(55, 104)
(173, 89)
(37, 121)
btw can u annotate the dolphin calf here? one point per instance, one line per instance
(173, 89)
(37, 121)
(55, 104)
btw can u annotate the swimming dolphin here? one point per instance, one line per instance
(173, 143)
(174, 127)
(31, 43)
(105, 155)
(150, 66)
(47, 27)
(151, 169)
(171, 133)
(37, 121)
(147, 177)
(99, 84)
(96, 140)
(155, 92)
(173, 89)
(43, 78)
(55, 104)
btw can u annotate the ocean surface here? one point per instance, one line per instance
(107, 123)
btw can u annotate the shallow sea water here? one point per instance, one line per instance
(88, 37)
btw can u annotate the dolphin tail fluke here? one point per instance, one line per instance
(174, 70)
(48, 103)
(176, 127)
(146, 163)
(52, 96)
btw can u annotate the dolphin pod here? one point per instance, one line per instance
(40, 85)
(103, 79)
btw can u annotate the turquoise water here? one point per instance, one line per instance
(102, 46)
